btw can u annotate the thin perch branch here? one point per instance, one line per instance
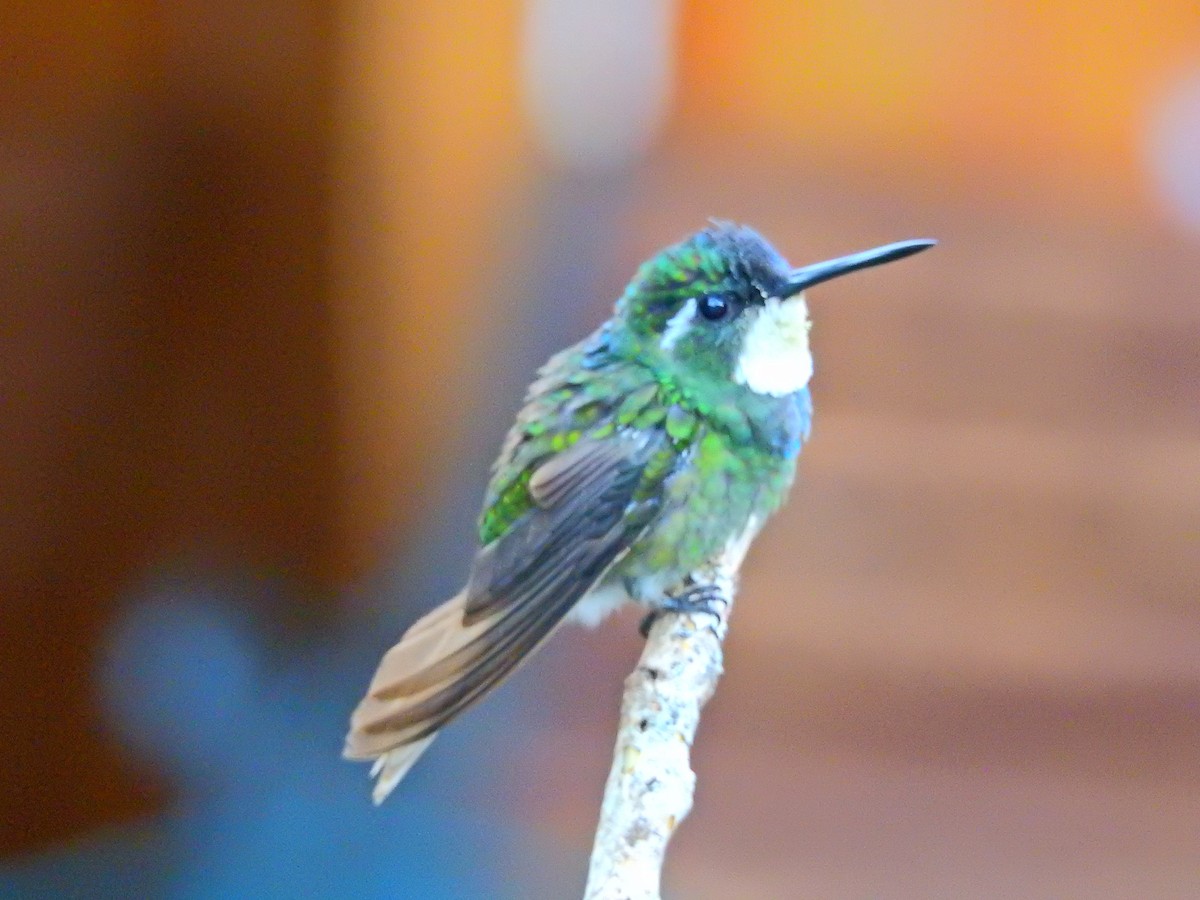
(649, 790)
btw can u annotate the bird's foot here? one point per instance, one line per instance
(700, 598)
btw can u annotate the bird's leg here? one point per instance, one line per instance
(694, 598)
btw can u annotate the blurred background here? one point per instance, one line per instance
(275, 276)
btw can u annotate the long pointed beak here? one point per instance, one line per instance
(807, 276)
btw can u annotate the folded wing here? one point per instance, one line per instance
(590, 504)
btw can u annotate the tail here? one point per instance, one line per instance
(443, 663)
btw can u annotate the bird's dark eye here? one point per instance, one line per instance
(715, 307)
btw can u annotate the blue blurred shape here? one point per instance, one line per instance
(267, 807)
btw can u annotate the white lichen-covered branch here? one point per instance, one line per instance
(649, 790)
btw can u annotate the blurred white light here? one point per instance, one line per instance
(1173, 149)
(598, 76)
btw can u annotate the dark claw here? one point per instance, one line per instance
(647, 622)
(702, 599)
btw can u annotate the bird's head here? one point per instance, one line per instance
(724, 304)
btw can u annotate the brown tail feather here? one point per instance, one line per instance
(395, 750)
(445, 663)
(393, 765)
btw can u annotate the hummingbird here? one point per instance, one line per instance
(651, 451)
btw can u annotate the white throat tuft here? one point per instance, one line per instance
(776, 359)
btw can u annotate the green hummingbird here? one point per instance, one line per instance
(653, 449)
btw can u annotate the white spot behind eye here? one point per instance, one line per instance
(678, 325)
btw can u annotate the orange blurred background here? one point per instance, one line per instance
(276, 274)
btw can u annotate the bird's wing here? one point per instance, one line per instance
(589, 503)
